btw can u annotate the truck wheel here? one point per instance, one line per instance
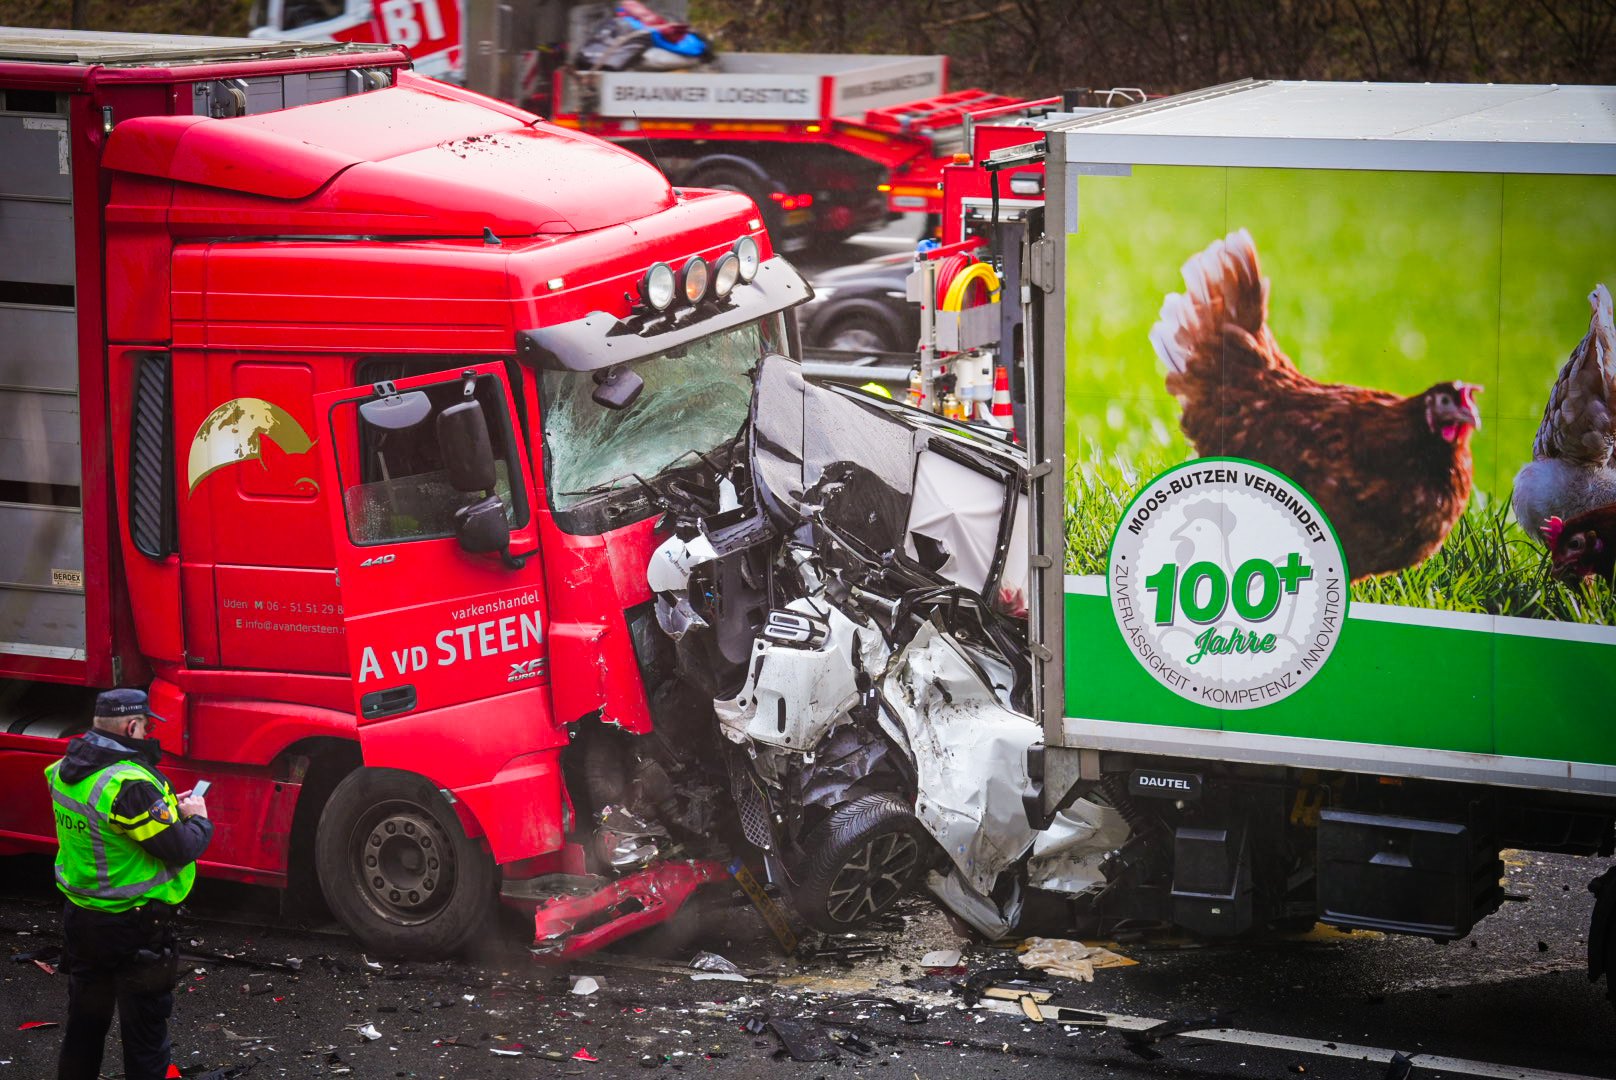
(398, 870)
(731, 179)
(861, 859)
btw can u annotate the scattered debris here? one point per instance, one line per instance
(1399, 1068)
(584, 985)
(975, 987)
(716, 976)
(291, 963)
(583, 1054)
(1141, 1041)
(842, 951)
(366, 1031)
(711, 961)
(1070, 959)
(45, 954)
(941, 958)
(502, 1052)
(1075, 1017)
(34, 1025)
(1016, 991)
(804, 1040)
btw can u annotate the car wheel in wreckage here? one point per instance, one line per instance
(859, 861)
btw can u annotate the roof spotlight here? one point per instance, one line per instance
(726, 273)
(693, 279)
(656, 287)
(746, 250)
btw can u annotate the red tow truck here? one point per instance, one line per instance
(333, 398)
(827, 145)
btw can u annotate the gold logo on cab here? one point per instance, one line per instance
(234, 432)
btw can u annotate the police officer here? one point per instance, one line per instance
(126, 858)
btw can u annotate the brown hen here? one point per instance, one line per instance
(1584, 547)
(1392, 473)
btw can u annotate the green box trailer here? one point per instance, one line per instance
(1321, 387)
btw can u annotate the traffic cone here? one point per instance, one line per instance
(1001, 392)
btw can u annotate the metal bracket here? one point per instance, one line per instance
(1041, 263)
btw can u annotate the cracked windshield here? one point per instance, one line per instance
(695, 398)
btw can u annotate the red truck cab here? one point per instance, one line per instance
(359, 382)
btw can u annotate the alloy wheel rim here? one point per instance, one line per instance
(872, 877)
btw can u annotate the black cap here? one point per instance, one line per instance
(123, 702)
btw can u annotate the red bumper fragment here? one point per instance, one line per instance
(572, 925)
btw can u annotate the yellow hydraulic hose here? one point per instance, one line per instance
(978, 271)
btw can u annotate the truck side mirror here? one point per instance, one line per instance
(467, 451)
(481, 527)
(617, 387)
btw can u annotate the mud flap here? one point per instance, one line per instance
(573, 925)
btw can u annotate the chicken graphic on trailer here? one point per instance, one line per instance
(1391, 473)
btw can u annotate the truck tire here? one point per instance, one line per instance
(861, 859)
(397, 869)
(735, 179)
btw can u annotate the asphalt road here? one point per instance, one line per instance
(1510, 999)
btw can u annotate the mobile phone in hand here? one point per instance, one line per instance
(201, 788)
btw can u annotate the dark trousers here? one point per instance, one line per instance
(128, 961)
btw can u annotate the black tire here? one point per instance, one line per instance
(734, 179)
(859, 331)
(397, 869)
(861, 860)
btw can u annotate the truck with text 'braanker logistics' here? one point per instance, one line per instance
(826, 144)
(330, 401)
(1317, 383)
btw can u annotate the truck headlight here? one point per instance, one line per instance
(726, 274)
(693, 279)
(656, 287)
(746, 250)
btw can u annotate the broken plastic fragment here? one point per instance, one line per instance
(711, 961)
(584, 985)
(369, 1032)
(583, 1054)
(1071, 959)
(504, 1053)
(30, 1025)
(941, 958)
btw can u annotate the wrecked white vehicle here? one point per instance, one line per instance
(851, 596)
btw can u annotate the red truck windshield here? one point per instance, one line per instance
(696, 398)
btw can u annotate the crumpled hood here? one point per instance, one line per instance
(95, 750)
